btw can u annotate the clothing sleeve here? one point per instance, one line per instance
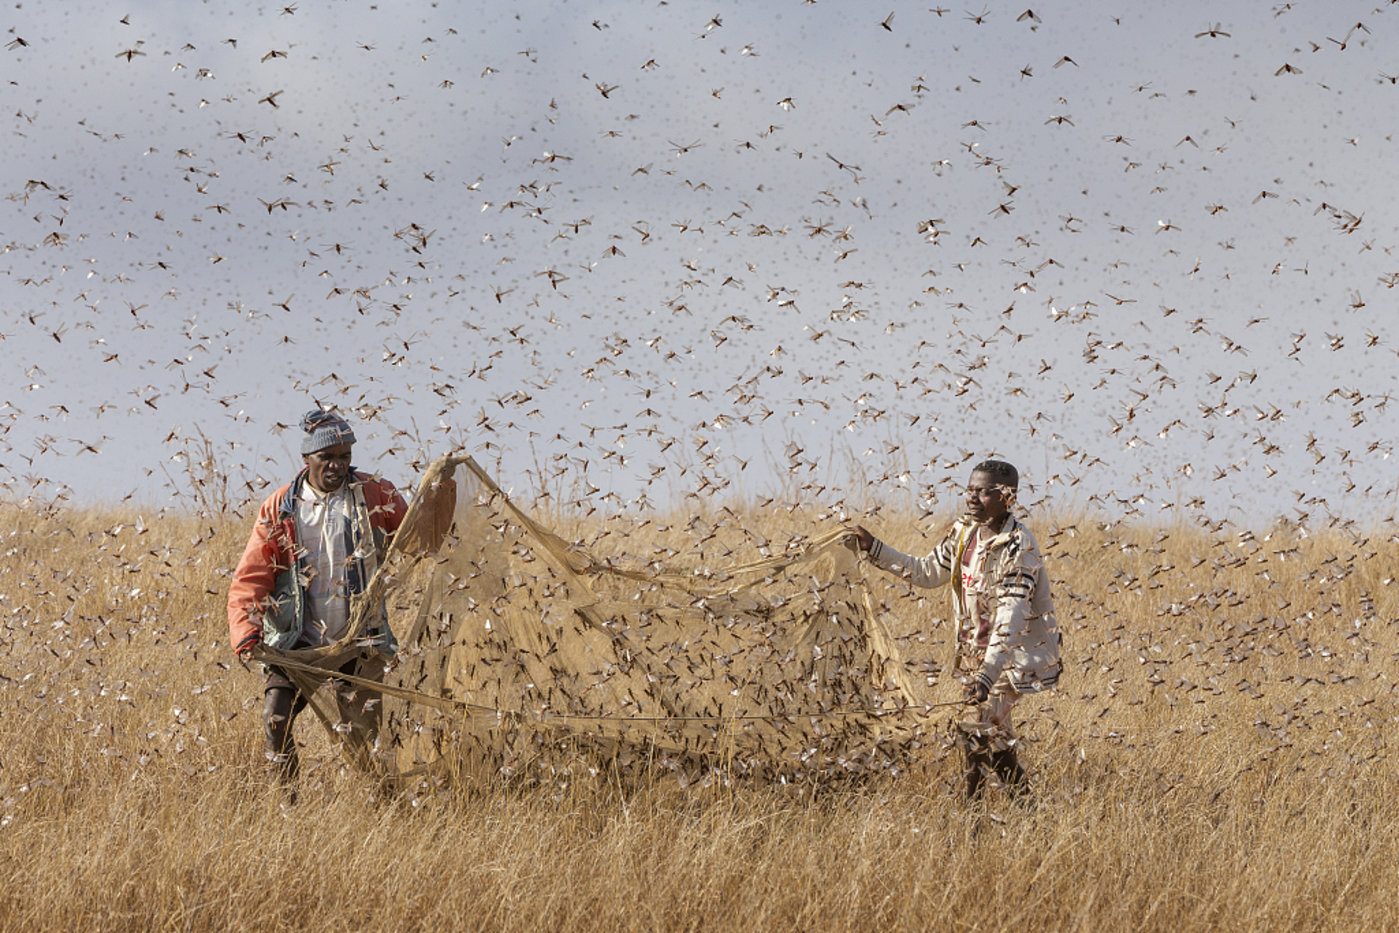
(1011, 595)
(387, 511)
(254, 578)
(930, 572)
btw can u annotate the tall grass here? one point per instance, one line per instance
(1217, 758)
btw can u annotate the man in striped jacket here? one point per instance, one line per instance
(1007, 637)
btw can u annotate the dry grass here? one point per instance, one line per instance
(1217, 759)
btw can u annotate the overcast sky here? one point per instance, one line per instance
(629, 251)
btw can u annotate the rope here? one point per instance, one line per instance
(268, 656)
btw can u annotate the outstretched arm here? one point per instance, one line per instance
(931, 571)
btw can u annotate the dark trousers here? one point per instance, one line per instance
(358, 710)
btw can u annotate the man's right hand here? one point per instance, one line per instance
(863, 539)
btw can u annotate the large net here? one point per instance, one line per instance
(522, 657)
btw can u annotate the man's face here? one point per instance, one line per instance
(987, 503)
(327, 468)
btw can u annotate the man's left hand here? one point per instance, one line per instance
(975, 692)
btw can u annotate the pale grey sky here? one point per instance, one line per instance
(1146, 251)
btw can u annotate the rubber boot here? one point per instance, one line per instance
(978, 763)
(278, 711)
(1007, 768)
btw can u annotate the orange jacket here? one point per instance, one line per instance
(265, 592)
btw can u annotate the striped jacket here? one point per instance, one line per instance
(1024, 643)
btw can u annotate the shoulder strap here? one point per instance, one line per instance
(964, 537)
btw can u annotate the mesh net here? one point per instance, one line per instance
(521, 657)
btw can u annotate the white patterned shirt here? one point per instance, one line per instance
(323, 529)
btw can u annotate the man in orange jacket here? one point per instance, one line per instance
(316, 543)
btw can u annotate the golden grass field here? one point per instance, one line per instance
(1216, 758)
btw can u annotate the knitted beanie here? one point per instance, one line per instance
(324, 429)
